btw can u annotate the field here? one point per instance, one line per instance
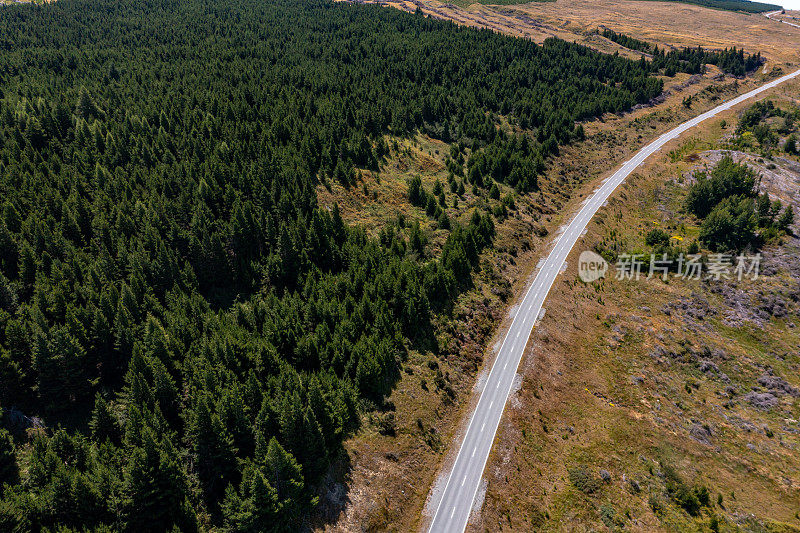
(651, 21)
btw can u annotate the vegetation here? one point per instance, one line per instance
(691, 499)
(727, 200)
(584, 479)
(196, 335)
(734, 5)
(689, 60)
(765, 127)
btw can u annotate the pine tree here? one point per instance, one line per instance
(214, 452)
(786, 219)
(286, 476)
(255, 508)
(86, 108)
(103, 424)
(155, 487)
(8, 460)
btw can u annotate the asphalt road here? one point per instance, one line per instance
(769, 16)
(465, 477)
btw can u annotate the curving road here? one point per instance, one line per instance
(456, 500)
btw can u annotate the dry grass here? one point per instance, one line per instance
(388, 478)
(668, 24)
(596, 392)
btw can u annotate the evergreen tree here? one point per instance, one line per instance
(786, 219)
(214, 452)
(8, 461)
(155, 488)
(103, 424)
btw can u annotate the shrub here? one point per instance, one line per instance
(791, 145)
(584, 479)
(731, 225)
(656, 237)
(725, 179)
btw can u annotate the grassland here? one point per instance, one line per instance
(627, 382)
(651, 21)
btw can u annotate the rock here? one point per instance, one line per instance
(701, 433)
(605, 475)
(707, 366)
(777, 385)
(761, 400)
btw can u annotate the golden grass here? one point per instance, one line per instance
(668, 24)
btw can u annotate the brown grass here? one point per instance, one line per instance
(388, 478)
(668, 24)
(579, 403)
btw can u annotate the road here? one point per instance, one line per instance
(769, 16)
(455, 505)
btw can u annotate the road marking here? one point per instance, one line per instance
(557, 255)
(491, 404)
(463, 480)
(473, 451)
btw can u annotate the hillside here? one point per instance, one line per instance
(191, 327)
(655, 405)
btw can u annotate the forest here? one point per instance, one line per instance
(186, 336)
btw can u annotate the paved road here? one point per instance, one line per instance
(462, 485)
(769, 16)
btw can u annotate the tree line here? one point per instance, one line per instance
(733, 5)
(689, 60)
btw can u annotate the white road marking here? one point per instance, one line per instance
(461, 498)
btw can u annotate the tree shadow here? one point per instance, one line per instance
(333, 493)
